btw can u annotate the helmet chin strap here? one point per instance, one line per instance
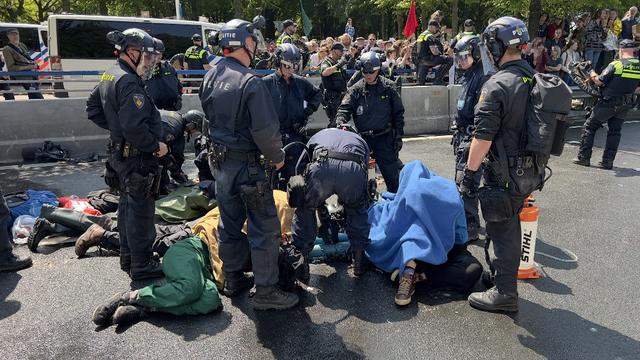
(135, 63)
(251, 54)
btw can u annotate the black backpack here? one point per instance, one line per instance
(544, 134)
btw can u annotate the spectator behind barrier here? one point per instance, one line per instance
(569, 56)
(17, 58)
(628, 21)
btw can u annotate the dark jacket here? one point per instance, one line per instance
(289, 99)
(120, 104)
(240, 110)
(501, 107)
(472, 83)
(165, 88)
(336, 140)
(373, 107)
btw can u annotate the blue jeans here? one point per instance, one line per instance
(592, 55)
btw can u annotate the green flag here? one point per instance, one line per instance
(306, 22)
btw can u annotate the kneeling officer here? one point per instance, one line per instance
(120, 104)
(337, 164)
(242, 128)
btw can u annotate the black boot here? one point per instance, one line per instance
(581, 161)
(272, 298)
(41, 229)
(151, 269)
(605, 165)
(303, 274)
(236, 282)
(360, 262)
(13, 262)
(494, 300)
(128, 314)
(102, 314)
(125, 263)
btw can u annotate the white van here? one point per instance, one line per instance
(34, 37)
(78, 42)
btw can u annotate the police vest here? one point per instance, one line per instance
(421, 48)
(194, 57)
(626, 77)
(424, 36)
(284, 39)
(464, 33)
(337, 81)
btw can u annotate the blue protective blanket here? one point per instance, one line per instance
(421, 222)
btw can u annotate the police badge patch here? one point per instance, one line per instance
(138, 100)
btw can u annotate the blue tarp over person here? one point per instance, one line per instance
(422, 224)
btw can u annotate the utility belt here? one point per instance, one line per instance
(622, 100)
(324, 154)
(125, 149)
(523, 174)
(375, 133)
(219, 153)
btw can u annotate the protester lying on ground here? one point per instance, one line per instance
(420, 225)
(193, 272)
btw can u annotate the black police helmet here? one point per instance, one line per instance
(287, 53)
(196, 37)
(468, 45)
(158, 46)
(131, 38)
(369, 62)
(287, 23)
(233, 34)
(194, 120)
(506, 32)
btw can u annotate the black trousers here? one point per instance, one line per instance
(383, 150)
(460, 273)
(425, 66)
(611, 112)
(461, 144)
(331, 102)
(5, 239)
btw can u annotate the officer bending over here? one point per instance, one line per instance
(618, 81)
(378, 114)
(338, 165)
(430, 54)
(242, 128)
(120, 104)
(164, 86)
(500, 120)
(467, 56)
(334, 81)
(175, 127)
(290, 94)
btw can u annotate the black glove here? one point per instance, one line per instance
(342, 63)
(180, 177)
(308, 111)
(468, 185)
(398, 143)
(111, 177)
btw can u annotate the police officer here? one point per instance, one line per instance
(240, 112)
(467, 56)
(120, 104)
(618, 81)
(430, 54)
(469, 28)
(500, 121)
(9, 261)
(378, 114)
(175, 127)
(288, 29)
(163, 86)
(334, 81)
(295, 99)
(196, 58)
(337, 165)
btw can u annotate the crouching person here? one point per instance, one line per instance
(190, 288)
(337, 164)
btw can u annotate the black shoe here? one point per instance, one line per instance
(128, 314)
(605, 165)
(472, 232)
(493, 300)
(236, 282)
(102, 314)
(152, 269)
(13, 262)
(272, 298)
(582, 162)
(303, 274)
(125, 263)
(41, 229)
(360, 263)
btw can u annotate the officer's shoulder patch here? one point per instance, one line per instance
(483, 93)
(138, 100)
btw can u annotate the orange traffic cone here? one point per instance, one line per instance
(528, 268)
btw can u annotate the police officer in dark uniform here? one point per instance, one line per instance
(9, 261)
(288, 29)
(500, 121)
(378, 114)
(467, 56)
(121, 104)
(163, 86)
(175, 127)
(337, 165)
(430, 54)
(196, 58)
(469, 28)
(334, 81)
(290, 94)
(618, 81)
(242, 128)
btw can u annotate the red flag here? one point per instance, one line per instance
(412, 21)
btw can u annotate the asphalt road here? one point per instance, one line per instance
(587, 309)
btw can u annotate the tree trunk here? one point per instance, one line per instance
(383, 25)
(400, 21)
(454, 17)
(535, 10)
(102, 7)
(66, 6)
(237, 8)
